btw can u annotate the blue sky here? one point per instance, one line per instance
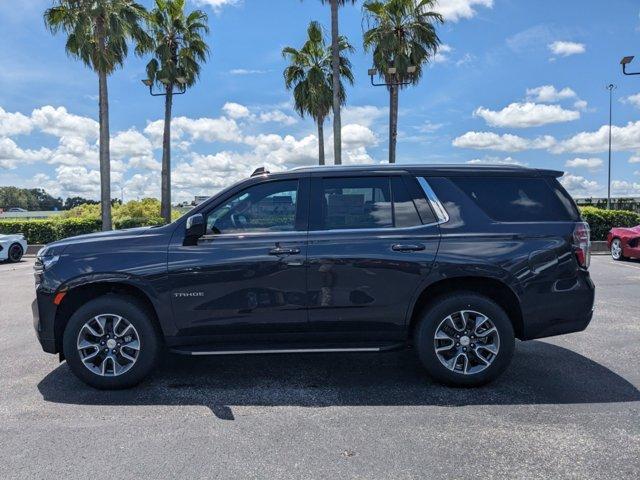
(515, 81)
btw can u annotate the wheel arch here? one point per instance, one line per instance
(81, 294)
(492, 288)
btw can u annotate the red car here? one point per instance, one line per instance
(624, 242)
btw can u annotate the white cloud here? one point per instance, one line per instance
(523, 115)
(14, 123)
(277, 116)
(12, 156)
(578, 185)
(68, 179)
(441, 55)
(634, 159)
(75, 159)
(130, 144)
(564, 49)
(75, 151)
(59, 122)
(220, 129)
(284, 151)
(502, 143)
(580, 105)
(588, 163)
(216, 5)
(235, 110)
(549, 94)
(364, 115)
(429, 127)
(246, 71)
(355, 136)
(623, 138)
(631, 99)
(137, 149)
(454, 10)
(624, 187)
(495, 161)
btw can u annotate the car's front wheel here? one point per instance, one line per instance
(111, 342)
(15, 253)
(616, 249)
(465, 339)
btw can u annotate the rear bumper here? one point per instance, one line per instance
(44, 315)
(563, 310)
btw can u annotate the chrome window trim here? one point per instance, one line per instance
(436, 205)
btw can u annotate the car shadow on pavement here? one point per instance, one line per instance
(541, 373)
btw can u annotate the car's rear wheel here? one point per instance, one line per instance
(14, 255)
(616, 249)
(111, 342)
(465, 339)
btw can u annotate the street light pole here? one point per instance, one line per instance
(626, 61)
(611, 87)
(393, 81)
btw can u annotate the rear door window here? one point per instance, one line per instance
(516, 199)
(356, 203)
(404, 209)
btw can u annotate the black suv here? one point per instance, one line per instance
(454, 261)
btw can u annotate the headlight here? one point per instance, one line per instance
(42, 264)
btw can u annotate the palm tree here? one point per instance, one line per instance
(97, 34)
(337, 100)
(402, 34)
(178, 50)
(310, 74)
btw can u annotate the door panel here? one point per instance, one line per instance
(247, 275)
(363, 275)
(361, 286)
(236, 285)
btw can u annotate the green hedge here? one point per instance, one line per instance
(46, 231)
(601, 221)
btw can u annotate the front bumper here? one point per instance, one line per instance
(44, 314)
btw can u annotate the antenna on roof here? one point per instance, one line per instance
(260, 171)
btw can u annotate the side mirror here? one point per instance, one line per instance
(195, 227)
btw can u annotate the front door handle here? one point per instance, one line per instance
(284, 251)
(407, 248)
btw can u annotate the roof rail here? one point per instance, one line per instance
(260, 171)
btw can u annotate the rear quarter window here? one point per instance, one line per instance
(519, 199)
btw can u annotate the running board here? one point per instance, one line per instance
(202, 352)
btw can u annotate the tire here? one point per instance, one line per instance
(480, 340)
(616, 250)
(117, 372)
(14, 255)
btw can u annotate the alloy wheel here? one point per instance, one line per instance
(466, 342)
(109, 345)
(616, 249)
(15, 253)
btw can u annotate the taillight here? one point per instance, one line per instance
(582, 244)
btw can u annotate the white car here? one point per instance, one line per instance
(12, 247)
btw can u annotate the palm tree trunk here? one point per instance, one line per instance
(321, 141)
(335, 66)
(105, 170)
(393, 122)
(165, 193)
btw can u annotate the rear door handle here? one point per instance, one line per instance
(407, 248)
(284, 251)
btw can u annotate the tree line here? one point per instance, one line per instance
(37, 199)
(400, 34)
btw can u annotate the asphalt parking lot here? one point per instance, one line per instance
(568, 407)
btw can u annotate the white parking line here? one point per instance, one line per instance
(628, 265)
